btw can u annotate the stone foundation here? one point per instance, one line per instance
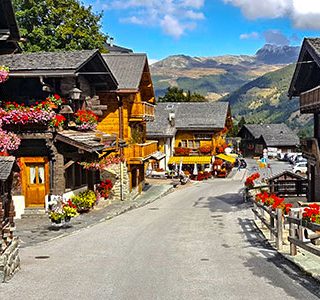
(9, 261)
(113, 173)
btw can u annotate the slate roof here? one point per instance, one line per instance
(188, 116)
(87, 141)
(127, 68)
(274, 134)
(117, 49)
(6, 165)
(61, 60)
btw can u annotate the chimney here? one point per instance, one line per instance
(111, 41)
(172, 117)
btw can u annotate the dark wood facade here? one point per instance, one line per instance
(305, 84)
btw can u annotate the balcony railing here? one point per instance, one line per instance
(310, 101)
(143, 111)
(310, 149)
(141, 151)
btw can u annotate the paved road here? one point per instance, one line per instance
(196, 243)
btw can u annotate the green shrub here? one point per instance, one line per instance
(84, 200)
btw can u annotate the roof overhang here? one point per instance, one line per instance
(86, 141)
(302, 66)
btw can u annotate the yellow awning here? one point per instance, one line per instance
(190, 160)
(226, 158)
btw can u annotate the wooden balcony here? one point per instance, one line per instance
(310, 101)
(137, 153)
(142, 111)
(310, 149)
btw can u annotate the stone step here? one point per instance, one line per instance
(34, 213)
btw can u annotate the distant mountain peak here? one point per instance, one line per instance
(275, 54)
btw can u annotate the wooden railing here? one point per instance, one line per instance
(310, 100)
(272, 220)
(141, 151)
(300, 232)
(310, 149)
(142, 110)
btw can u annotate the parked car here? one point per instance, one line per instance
(300, 168)
(293, 157)
(281, 156)
(300, 158)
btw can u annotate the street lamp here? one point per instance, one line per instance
(75, 93)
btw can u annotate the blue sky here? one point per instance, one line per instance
(207, 27)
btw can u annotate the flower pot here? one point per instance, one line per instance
(67, 219)
(56, 221)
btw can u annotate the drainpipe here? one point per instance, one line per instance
(120, 105)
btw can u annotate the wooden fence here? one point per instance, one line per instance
(303, 234)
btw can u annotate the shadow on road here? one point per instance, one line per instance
(223, 203)
(264, 259)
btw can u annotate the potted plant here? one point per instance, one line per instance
(84, 201)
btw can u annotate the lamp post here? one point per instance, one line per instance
(75, 96)
(66, 111)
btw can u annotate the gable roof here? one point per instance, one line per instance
(61, 63)
(307, 72)
(285, 174)
(127, 68)
(6, 165)
(188, 116)
(116, 49)
(9, 31)
(273, 134)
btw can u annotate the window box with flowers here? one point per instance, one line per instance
(182, 151)
(205, 149)
(86, 120)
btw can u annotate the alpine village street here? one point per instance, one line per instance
(153, 175)
(199, 242)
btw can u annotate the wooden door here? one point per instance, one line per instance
(35, 181)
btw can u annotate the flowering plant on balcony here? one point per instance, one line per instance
(86, 120)
(57, 121)
(4, 73)
(102, 164)
(312, 213)
(205, 149)
(182, 151)
(9, 141)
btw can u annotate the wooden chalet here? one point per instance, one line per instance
(49, 158)
(129, 109)
(9, 31)
(190, 132)
(305, 84)
(257, 137)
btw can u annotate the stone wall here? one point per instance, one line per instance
(9, 261)
(113, 173)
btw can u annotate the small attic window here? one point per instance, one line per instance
(170, 106)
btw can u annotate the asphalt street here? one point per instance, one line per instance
(196, 243)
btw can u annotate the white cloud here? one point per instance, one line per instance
(252, 35)
(276, 37)
(304, 14)
(175, 17)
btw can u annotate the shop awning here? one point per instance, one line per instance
(190, 160)
(226, 158)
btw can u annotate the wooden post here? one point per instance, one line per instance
(256, 209)
(292, 234)
(272, 226)
(279, 229)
